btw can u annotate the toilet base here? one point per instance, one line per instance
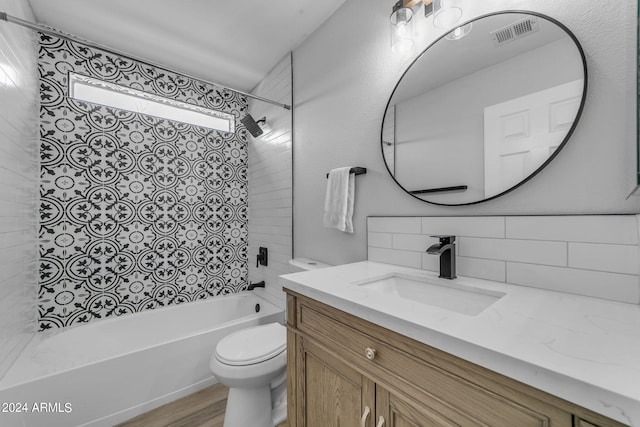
(249, 407)
(279, 400)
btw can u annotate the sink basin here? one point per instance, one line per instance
(450, 296)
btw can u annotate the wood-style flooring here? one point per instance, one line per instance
(204, 408)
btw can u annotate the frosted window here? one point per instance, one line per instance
(113, 95)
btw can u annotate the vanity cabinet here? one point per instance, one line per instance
(334, 394)
(345, 371)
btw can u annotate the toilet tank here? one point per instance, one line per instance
(305, 264)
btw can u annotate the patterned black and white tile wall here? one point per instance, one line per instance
(136, 212)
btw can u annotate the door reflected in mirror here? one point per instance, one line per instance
(474, 118)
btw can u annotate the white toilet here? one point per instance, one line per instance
(252, 363)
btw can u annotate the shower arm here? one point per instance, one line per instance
(51, 31)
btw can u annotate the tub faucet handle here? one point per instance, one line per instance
(263, 257)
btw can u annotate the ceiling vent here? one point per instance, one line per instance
(515, 31)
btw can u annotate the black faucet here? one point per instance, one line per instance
(446, 249)
(252, 286)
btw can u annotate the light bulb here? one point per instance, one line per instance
(459, 32)
(401, 30)
(446, 13)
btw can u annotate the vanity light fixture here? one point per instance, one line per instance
(401, 27)
(446, 13)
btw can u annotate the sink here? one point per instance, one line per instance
(449, 296)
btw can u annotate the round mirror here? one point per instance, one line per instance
(483, 110)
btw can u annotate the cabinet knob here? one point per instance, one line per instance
(365, 416)
(380, 422)
(370, 353)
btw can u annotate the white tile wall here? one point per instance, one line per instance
(593, 255)
(471, 226)
(574, 228)
(380, 240)
(270, 183)
(613, 258)
(410, 242)
(488, 269)
(599, 284)
(530, 251)
(405, 225)
(19, 178)
(397, 257)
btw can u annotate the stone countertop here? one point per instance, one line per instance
(584, 350)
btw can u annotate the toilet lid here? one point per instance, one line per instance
(252, 345)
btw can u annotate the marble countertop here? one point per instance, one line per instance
(584, 350)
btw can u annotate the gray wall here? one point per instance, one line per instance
(345, 72)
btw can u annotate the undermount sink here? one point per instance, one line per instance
(450, 296)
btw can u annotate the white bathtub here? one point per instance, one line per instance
(110, 370)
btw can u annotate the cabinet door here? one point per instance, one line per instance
(582, 423)
(330, 393)
(398, 412)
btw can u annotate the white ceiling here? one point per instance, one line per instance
(231, 42)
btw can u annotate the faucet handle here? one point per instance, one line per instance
(445, 238)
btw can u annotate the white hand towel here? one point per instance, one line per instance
(338, 201)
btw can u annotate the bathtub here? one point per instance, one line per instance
(110, 370)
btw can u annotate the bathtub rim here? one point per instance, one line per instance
(37, 339)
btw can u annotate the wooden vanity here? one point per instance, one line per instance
(348, 372)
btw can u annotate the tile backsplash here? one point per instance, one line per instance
(136, 212)
(592, 255)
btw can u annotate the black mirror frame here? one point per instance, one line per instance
(551, 157)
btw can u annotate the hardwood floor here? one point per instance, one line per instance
(204, 408)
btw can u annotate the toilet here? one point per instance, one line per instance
(252, 363)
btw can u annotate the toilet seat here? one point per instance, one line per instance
(252, 345)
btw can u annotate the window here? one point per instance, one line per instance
(113, 95)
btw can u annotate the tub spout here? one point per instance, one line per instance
(252, 286)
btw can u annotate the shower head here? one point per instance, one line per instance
(252, 126)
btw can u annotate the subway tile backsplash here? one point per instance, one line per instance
(592, 283)
(604, 257)
(529, 251)
(403, 225)
(397, 257)
(592, 255)
(616, 229)
(479, 226)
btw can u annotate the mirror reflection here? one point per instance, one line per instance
(473, 118)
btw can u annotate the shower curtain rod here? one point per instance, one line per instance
(41, 28)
